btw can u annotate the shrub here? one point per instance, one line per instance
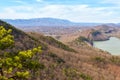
(95, 33)
(70, 73)
(115, 60)
(85, 77)
(56, 43)
(56, 58)
(99, 59)
(82, 39)
(19, 65)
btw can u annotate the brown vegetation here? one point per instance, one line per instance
(67, 62)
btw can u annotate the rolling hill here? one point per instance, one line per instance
(66, 62)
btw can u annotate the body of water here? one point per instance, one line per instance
(112, 45)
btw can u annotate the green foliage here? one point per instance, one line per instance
(56, 58)
(95, 33)
(100, 62)
(70, 73)
(73, 74)
(6, 40)
(22, 74)
(19, 65)
(82, 39)
(99, 59)
(56, 43)
(115, 60)
(85, 77)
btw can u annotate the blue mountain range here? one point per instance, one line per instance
(47, 22)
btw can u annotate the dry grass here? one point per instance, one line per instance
(87, 63)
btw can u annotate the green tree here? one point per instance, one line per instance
(21, 64)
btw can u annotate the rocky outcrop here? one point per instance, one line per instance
(98, 36)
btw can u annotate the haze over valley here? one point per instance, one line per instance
(59, 40)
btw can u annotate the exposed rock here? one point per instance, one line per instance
(98, 36)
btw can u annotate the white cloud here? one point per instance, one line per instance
(39, 0)
(77, 13)
(115, 2)
(19, 1)
(16, 12)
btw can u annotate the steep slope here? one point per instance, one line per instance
(60, 63)
(53, 63)
(22, 40)
(81, 41)
(92, 62)
(51, 41)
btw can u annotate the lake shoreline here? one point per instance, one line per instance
(112, 45)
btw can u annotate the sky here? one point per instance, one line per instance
(99, 11)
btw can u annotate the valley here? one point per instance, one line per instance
(69, 52)
(67, 31)
(59, 40)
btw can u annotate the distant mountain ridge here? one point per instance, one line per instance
(47, 22)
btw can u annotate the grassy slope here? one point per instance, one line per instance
(64, 64)
(87, 60)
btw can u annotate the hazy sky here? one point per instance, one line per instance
(74, 10)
